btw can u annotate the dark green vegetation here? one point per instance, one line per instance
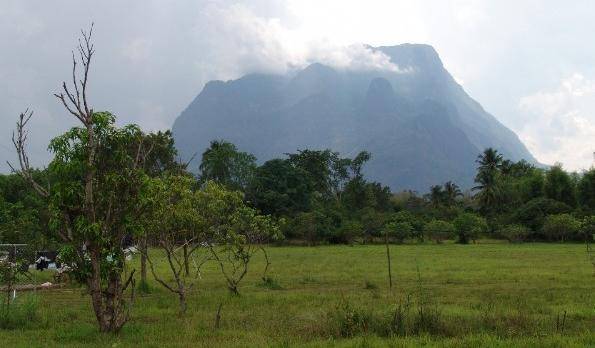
(488, 294)
(417, 121)
(216, 246)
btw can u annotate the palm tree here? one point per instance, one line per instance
(489, 160)
(451, 193)
(436, 196)
(488, 171)
(217, 162)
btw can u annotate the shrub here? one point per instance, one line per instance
(406, 216)
(399, 230)
(347, 233)
(533, 213)
(469, 226)
(515, 233)
(439, 230)
(561, 227)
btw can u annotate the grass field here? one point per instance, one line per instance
(488, 294)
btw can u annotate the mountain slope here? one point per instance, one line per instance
(418, 123)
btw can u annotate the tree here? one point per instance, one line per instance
(559, 186)
(279, 188)
(224, 164)
(232, 231)
(23, 213)
(159, 155)
(586, 190)
(18, 224)
(588, 228)
(451, 193)
(488, 194)
(172, 221)
(532, 214)
(439, 230)
(404, 216)
(318, 168)
(94, 194)
(561, 227)
(436, 196)
(469, 226)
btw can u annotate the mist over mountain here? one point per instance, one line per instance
(419, 124)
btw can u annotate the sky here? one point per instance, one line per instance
(530, 63)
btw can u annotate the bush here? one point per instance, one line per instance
(561, 227)
(398, 230)
(469, 226)
(347, 233)
(408, 217)
(439, 230)
(533, 213)
(515, 233)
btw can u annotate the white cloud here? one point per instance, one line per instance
(244, 42)
(560, 124)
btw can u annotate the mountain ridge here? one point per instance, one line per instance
(420, 125)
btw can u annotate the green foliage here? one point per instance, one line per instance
(587, 228)
(348, 232)
(586, 190)
(372, 222)
(224, 164)
(279, 188)
(170, 208)
(532, 214)
(410, 219)
(399, 231)
(160, 154)
(515, 233)
(561, 227)
(23, 214)
(488, 172)
(469, 226)
(560, 186)
(311, 226)
(439, 230)
(232, 231)
(116, 191)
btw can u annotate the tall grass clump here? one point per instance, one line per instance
(23, 313)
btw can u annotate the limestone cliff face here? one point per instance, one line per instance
(418, 123)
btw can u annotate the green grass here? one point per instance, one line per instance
(488, 294)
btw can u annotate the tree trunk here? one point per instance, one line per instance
(143, 261)
(108, 304)
(183, 305)
(186, 261)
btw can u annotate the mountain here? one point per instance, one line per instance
(419, 124)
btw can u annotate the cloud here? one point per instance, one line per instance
(154, 56)
(560, 124)
(241, 41)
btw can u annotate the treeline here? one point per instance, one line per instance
(324, 198)
(321, 197)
